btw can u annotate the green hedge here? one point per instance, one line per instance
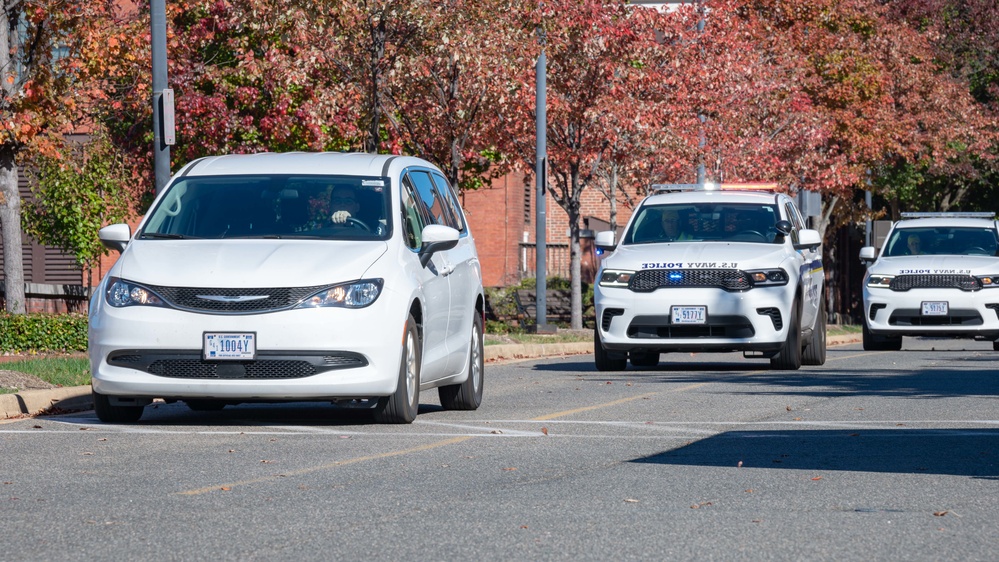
(20, 333)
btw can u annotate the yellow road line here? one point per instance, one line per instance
(328, 466)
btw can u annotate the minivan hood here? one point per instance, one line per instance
(246, 263)
(699, 255)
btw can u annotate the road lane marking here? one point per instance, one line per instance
(328, 466)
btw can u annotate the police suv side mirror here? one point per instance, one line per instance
(115, 236)
(605, 240)
(868, 254)
(808, 239)
(436, 238)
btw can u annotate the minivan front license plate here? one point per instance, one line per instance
(230, 346)
(935, 308)
(689, 314)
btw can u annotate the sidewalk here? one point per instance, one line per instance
(34, 402)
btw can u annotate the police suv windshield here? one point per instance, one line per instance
(942, 241)
(706, 222)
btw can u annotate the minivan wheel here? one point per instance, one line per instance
(110, 413)
(467, 395)
(402, 406)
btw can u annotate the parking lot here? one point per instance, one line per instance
(875, 455)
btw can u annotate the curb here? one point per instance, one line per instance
(34, 402)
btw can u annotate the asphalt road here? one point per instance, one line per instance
(873, 456)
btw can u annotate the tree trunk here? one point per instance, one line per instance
(10, 228)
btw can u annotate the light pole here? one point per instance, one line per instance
(163, 116)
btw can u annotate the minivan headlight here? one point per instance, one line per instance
(355, 294)
(121, 293)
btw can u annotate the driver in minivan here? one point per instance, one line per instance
(343, 204)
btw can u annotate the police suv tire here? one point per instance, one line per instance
(402, 406)
(644, 359)
(601, 359)
(467, 395)
(995, 345)
(873, 342)
(815, 352)
(789, 356)
(109, 413)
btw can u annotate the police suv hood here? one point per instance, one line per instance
(697, 255)
(936, 265)
(246, 263)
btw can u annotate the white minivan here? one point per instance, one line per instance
(292, 277)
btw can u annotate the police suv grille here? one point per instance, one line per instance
(649, 280)
(190, 365)
(963, 282)
(234, 301)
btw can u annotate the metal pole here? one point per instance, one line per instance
(161, 150)
(541, 171)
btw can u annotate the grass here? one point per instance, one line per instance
(60, 371)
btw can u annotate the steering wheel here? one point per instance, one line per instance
(749, 234)
(978, 250)
(357, 223)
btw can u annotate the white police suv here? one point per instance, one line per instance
(348, 278)
(727, 267)
(937, 275)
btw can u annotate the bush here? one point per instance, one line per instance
(21, 333)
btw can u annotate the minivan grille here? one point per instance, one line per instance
(234, 301)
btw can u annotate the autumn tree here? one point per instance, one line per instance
(44, 95)
(589, 46)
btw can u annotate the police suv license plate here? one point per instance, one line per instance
(689, 314)
(230, 346)
(935, 308)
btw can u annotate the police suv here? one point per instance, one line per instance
(937, 275)
(711, 267)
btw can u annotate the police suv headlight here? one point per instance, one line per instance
(356, 294)
(879, 281)
(121, 293)
(988, 281)
(615, 278)
(768, 277)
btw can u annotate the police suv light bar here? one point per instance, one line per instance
(951, 215)
(710, 186)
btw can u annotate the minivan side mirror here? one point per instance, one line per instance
(115, 236)
(436, 238)
(605, 240)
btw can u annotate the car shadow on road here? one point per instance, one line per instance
(965, 376)
(959, 452)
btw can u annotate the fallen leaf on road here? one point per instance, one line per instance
(749, 491)
(739, 464)
(226, 488)
(544, 430)
(817, 478)
(629, 500)
(509, 468)
(496, 432)
(939, 513)
(265, 461)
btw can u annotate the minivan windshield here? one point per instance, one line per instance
(704, 222)
(272, 206)
(963, 241)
